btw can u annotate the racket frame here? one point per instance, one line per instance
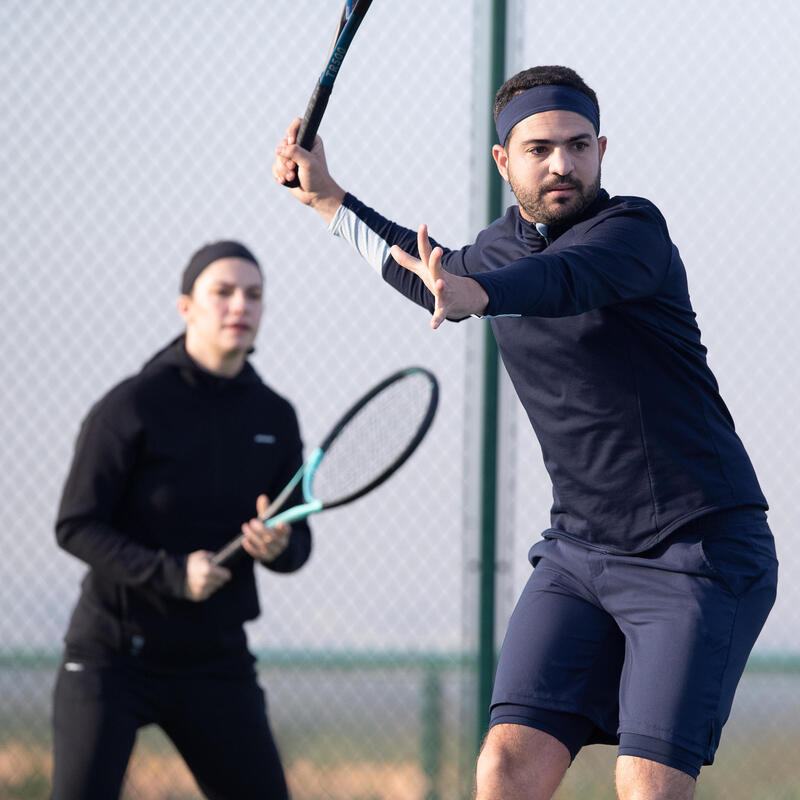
(312, 505)
(352, 15)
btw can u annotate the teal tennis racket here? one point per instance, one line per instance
(365, 447)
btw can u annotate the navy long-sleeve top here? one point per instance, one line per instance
(606, 358)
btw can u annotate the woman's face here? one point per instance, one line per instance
(223, 312)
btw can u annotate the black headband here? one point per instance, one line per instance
(545, 98)
(209, 253)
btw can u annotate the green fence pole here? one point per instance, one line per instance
(431, 739)
(488, 513)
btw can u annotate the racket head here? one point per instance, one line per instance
(373, 438)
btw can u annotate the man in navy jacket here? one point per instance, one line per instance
(658, 570)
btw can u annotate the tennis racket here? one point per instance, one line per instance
(369, 443)
(352, 15)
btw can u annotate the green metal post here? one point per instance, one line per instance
(490, 409)
(432, 739)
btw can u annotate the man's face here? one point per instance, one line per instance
(552, 162)
(224, 310)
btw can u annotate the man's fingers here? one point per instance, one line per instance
(283, 169)
(281, 172)
(406, 259)
(291, 131)
(293, 154)
(434, 262)
(439, 286)
(423, 243)
(439, 310)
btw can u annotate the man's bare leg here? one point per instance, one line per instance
(642, 779)
(519, 762)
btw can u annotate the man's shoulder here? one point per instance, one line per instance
(627, 204)
(502, 227)
(624, 212)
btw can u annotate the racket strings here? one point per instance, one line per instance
(374, 439)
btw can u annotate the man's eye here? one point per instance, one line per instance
(581, 146)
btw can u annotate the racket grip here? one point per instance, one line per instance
(307, 132)
(228, 553)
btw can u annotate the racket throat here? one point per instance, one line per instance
(293, 514)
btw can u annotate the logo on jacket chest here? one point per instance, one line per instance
(264, 438)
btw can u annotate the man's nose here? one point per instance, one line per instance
(560, 162)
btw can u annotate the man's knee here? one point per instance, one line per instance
(643, 779)
(516, 759)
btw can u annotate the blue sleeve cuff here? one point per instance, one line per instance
(511, 289)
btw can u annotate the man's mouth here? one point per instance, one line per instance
(562, 188)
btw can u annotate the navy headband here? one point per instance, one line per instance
(210, 253)
(545, 98)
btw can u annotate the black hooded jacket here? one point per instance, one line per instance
(168, 462)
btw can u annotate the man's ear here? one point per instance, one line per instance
(602, 143)
(500, 157)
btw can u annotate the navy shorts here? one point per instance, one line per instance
(645, 650)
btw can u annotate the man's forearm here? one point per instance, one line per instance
(328, 204)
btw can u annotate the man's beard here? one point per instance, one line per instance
(558, 211)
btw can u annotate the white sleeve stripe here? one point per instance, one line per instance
(368, 244)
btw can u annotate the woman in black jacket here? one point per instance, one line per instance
(168, 466)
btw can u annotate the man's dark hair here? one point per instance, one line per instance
(541, 76)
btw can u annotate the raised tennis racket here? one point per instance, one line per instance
(352, 15)
(369, 443)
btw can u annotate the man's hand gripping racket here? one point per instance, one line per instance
(367, 445)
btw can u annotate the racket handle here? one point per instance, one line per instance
(228, 553)
(307, 132)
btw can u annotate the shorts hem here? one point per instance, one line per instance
(555, 705)
(669, 736)
(662, 751)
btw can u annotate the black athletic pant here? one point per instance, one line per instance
(217, 721)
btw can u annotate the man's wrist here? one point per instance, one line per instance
(328, 204)
(481, 298)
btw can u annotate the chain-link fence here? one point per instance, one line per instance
(134, 132)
